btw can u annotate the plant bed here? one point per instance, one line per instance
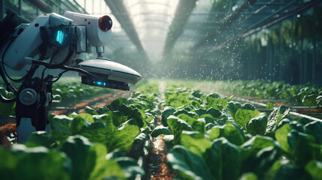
(187, 135)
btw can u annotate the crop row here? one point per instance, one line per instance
(217, 138)
(208, 137)
(301, 94)
(102, 144)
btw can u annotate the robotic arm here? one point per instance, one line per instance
(53, 41)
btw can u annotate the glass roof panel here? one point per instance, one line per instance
(152, 19)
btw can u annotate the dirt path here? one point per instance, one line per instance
(95, 103)
(157, 168)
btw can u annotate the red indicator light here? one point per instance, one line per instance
(105, 23)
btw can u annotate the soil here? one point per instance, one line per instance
(8, 131)
(157, 167)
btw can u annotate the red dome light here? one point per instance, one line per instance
(105, 23)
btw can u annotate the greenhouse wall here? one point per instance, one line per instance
(288, 50)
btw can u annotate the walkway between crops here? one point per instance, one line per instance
(157, 167)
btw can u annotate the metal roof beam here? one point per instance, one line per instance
(41, 5)
(176, 28)
(118, 7)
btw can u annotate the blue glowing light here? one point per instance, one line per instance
(60, 37)
(100, 83)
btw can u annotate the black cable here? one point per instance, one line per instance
(9, 86)
(5, 100)
(3, 65)
(59, 76)
(78, 70)
(69, 55)
(52, 57)
(68, 68)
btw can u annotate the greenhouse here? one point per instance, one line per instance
(161, 89)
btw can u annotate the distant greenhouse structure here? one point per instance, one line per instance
(275, 40)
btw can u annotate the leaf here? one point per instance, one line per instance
(314, 168)
(232, 108)
(90, 111)
(319, 101)
(276, 116)
(122, 112)
(169, 141)
(189, 165)
(168, 110)
(60, 127)
(77, 125)
(140, 142)
(216, 103)
(98, 132)
(256, 144)
(199, 125)
(310, 100)
(160, 130)
(315, 128)
(190, 120)
(291, 171)
(115, 105)
(248, 176)
(248, 106)
(117, 118)
(33, 163)
(124, 137)
(130, 167)
(40, 138)
(223, 160)
(281, 137)
(77, 149)
(303, 146)
(87, 117)
(197, 94)
(104, 168)
(257, 125)
(297, 126)
(177, 126)
(230, 132)
(214, 112)
(243, 116)
(269, 105)
(201, 111)
(88, 160)
(263, 159)
(7, 109)
(195, 142)
(282, 122)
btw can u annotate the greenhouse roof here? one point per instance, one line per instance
(158, 27)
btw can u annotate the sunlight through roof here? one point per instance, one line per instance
(152, 19)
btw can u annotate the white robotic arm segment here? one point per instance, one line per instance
(25, 44)
(29, 39)
(63, 38)
(98, 28)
